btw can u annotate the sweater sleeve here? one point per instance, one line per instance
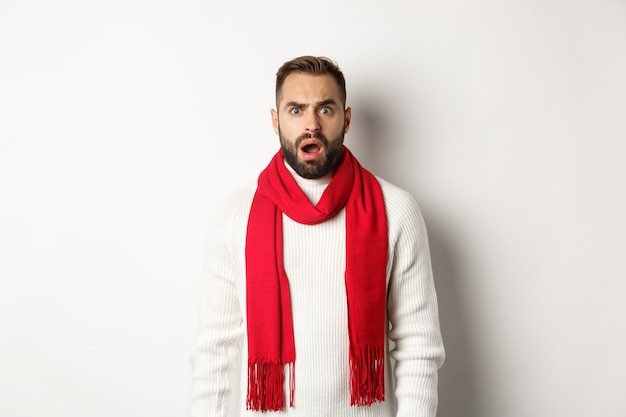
(214, 357)
(412, 309)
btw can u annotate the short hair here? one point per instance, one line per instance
(311, 65)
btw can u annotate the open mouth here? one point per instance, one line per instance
(311, 148)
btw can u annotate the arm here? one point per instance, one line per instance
(413, 313)
(217, 349)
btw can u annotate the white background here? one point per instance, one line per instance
(123, 122)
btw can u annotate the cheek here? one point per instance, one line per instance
(286, 123)
(336, 128)
(291, 128)
(286, 131)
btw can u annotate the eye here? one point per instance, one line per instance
(295, 111)
(326, 110)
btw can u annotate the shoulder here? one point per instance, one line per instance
(397, 200)
(232, 211)
(403, 213)
(238, 201)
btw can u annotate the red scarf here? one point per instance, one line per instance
(270, 327)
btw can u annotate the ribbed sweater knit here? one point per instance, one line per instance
(314, 260)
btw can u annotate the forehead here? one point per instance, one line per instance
(307, 88)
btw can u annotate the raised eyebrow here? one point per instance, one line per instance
(326, 103)
(323, 103)
(294, 104)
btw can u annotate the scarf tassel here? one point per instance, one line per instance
(265, 386)
(367, 377)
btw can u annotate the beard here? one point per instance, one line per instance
(319, 167)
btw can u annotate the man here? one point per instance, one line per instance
(313, 272)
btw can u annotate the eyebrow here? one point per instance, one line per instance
(322, 103)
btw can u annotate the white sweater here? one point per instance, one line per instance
(314, 258)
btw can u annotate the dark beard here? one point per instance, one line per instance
(313, 169)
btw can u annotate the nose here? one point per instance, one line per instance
(312, 122)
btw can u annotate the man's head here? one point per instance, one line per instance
(310, 117)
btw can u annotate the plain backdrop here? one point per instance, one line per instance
(122, 123)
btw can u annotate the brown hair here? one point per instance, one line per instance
(310, 65)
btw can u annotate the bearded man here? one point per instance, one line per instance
(317, 277)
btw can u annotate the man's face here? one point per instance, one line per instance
(311, 122)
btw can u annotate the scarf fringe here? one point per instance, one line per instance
(367, 377)
(265, 386)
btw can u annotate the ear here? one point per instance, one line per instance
(275, 120)
(347, 118)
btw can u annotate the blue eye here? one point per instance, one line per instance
(325, 110)
(294, 111)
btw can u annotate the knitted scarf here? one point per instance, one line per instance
(271, 344)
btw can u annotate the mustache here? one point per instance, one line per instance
(317, 136)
